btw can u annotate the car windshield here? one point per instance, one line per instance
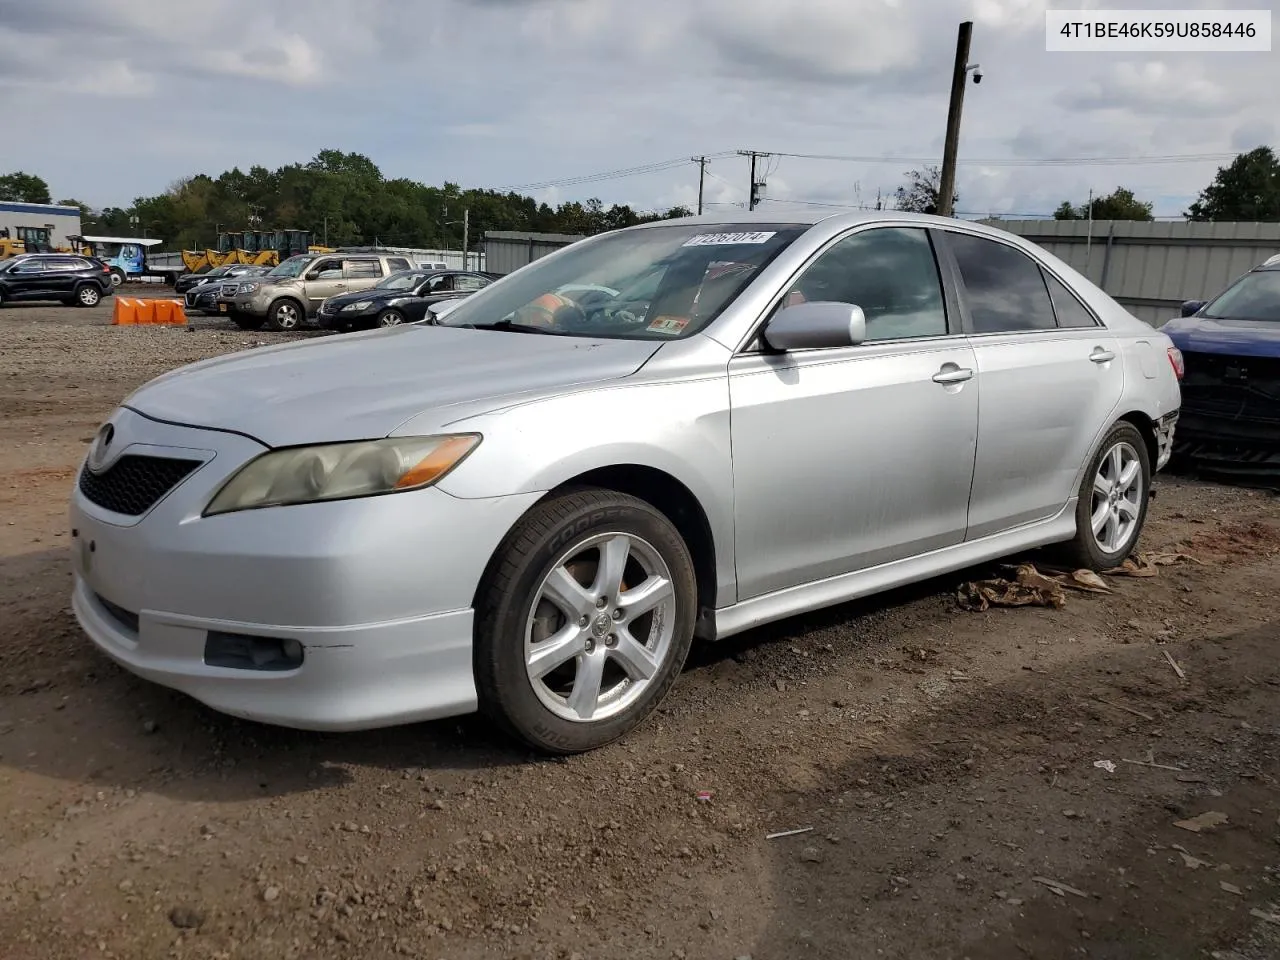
(653, 283)
(292, 267)
(403, 280)
(1255, 296)
(218, 272)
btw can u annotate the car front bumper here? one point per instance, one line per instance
(377, 591)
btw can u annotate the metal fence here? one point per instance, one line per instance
(508, 250)
(1151, 268)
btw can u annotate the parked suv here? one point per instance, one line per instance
(71, 279)
(291, 293)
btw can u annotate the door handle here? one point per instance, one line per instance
(953, 374)
(1101, 356)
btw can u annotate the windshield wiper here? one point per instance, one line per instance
(517, 327)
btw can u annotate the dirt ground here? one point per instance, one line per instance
(946, 762)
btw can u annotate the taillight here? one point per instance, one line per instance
(105, 268)
(1175, 361)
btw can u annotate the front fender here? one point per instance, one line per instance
(680, 428)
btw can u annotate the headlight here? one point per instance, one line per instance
(362, 305)
(247, 288)
(340, 471)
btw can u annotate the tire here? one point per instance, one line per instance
(87, 295)
(117, 278)
(630, 660)
(390, 318)
(285, 315)
(246, 321)
(1121, 509)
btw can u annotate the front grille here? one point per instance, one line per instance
(191, 299)
(134, 484)
(1235, 388)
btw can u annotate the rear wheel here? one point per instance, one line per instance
(285, 315)
(584, 620)
(117, 277)
(1112, 503)
(87, 295)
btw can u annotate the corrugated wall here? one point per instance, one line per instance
(508, 250)
(1152, 267)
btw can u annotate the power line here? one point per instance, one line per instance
(644, 168)
(1025, 161)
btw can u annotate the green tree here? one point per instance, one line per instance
(1248, 189)
(1120, 204)
(920, 193)
(24, 188)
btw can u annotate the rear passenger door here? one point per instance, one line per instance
(62, 276)
(362, 273)
(1049, 380)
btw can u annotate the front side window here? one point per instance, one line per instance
(1255, 296)
(587, 290)
(1004, 287)
(326, 270)
(890, 272)
(467, 282)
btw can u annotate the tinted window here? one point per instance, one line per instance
(397, 263)
(1003, 286)
(890, 273)
(63, 264)
(1071, 312)
(363, 268)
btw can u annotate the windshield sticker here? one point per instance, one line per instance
(669, 325)
(726, 239)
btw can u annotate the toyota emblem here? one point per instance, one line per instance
(101, 447)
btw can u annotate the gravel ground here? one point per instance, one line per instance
(947, 763)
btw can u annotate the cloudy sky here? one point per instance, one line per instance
(112, 99)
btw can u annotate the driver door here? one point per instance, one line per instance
(852, 457)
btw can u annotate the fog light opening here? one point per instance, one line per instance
(243, 652)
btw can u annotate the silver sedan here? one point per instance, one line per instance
(534, 504)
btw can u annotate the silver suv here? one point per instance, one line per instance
(291, 293)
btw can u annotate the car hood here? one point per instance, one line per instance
(362, 386)
(1243, 338)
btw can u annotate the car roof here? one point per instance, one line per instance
(833, 219)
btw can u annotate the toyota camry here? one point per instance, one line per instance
(533, 505)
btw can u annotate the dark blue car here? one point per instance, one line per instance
(1230, 418)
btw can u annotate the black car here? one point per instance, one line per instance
(189, 280)
(203, 296)
(68, 278)
(401, 297)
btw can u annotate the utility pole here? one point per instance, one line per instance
(753, 196)
(466, 228)
(702, 173)
(947, 184)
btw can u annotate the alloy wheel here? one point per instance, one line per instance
(600, 628)
(1117, 498)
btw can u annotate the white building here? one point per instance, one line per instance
(39, 223)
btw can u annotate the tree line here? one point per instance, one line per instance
(344, 200)
(1246, 189)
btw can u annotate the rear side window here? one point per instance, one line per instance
(397, 263)
(1071, 312)
(1003, 286)
(359, 269)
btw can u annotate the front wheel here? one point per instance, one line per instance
(284, 315)
(584, 621)
(390, 318)
(1112, 504)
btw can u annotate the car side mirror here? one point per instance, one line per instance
(816, 325)
(1192, 307)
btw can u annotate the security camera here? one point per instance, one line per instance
(977, 75)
